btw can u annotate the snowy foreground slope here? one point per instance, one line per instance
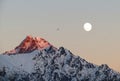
(37, 60)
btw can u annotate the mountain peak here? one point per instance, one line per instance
(30, 44)
(50, 64)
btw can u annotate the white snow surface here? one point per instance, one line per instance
(23, 62)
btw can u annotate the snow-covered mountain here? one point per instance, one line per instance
(35, 59)
(30, 44)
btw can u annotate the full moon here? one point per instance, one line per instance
(87, 26)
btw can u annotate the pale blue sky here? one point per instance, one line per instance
(19, 18)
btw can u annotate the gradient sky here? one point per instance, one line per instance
(19, 18)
